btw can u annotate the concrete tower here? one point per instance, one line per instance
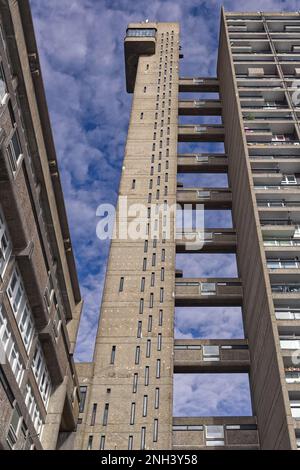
(127, 390)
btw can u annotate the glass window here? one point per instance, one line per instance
(3, 87)
(5, 245)
(141, 32)
(14, 151)
(82, 392)
(214, 432)
(41, 374)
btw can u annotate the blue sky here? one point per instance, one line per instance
(81, 51)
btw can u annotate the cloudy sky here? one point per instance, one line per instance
(81, 50)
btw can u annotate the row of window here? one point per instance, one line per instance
(130, 438)
(10, 349)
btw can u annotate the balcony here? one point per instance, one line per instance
(193, 355)
(202, 133)
(196, 433)
(199, 84)
(288, 292)
(208, 291)
(216, 198)
(200, 107)
(281, 247)
(202, 163)
(209, 241)
(138, 41)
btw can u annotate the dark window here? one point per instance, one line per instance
(82, 392)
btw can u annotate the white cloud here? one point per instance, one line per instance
(211, 395)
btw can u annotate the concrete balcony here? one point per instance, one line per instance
(201, 133)
(201, 84)
(202, 163)
(230, 433)
(212, 355)
(216, 198)
(274, 177)
(200, 108)
(258, 136)
(191, 292)
(209, 241)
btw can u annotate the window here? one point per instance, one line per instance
(14, 151)
(163, 255)
(214, 435)
(93, 417)
(132, 413)
(56, 322)
(135, 383)
(41, 374)
(295, 408)
(142, 284)
(146, 376)
(148, 348)
(141, 115)
(160, 318)
(130, 442)
(161, 296)
(143, 438)
(16, 364)
(82, 393)
(10, 348)
(145, 405)
(152, 282)
(159, 341)
(121, 284)
(14, 427)
(102, 443)
(289, 179)
(137, 354)
(146, 244)
(139, 330)
(33, 409)
(211, 353)
(21, 309)
(158, 368)
(5, 245)
(113, 355)
(141, 309)
(145, 89)
(105, 414)
(132, 32)
(149, 323)
(156, 400)
(162, 274)
(144, 264)
(3, 87)
(151, 300)
(49, 293)
(153, 259)
(155, 430)
(90, 443)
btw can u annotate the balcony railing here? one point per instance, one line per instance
(287, 314)
(284, 242)
(285, 288)
(278, 204)
(283, 264)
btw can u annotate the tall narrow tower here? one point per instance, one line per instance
(127, 390)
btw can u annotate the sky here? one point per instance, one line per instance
(80, 44)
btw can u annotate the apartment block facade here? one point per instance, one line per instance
(40, 301)
(127, 391)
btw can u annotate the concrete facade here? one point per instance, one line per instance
(257, 65)
(40, 302)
